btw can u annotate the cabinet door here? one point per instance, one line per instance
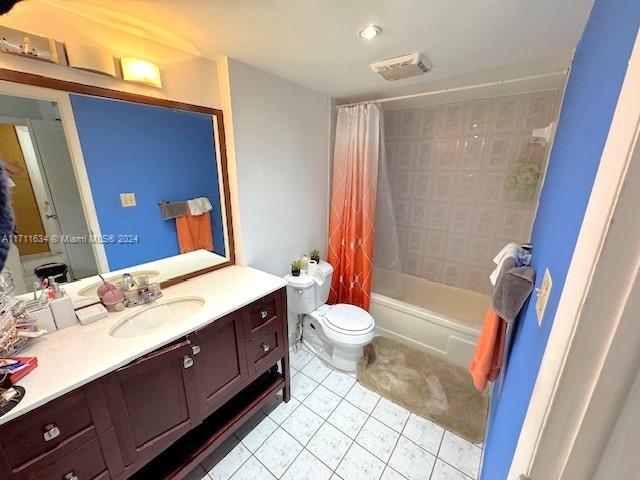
(220, 363)
(152, 401)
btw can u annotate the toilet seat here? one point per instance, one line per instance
(345, 324)
(348, 319)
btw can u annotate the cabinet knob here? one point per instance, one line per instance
(263, 314)
(51, 431)
(265, 347)
(71, 476)
(187, 361)
(195, 349)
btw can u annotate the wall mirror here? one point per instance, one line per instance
(104, 181)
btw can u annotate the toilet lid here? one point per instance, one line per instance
(349, 318)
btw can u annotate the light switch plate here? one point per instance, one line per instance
(128, 199)
(543, 295)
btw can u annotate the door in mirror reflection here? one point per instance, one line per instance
(45, 195)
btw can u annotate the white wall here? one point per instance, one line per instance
(278, 134)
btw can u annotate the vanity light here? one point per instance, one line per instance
(138, 70)
(370, 31)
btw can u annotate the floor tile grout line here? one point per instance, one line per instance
(437, 453)
(339, 461)
(285, 470)
(241, 465)
(261, 443)
(267, 468)
(455, 468)
(396, 445)
(291, 464)
(441, 441)
(448, 463)
(393, 450)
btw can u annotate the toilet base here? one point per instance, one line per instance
(341, 357)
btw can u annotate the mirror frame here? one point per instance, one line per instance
(84, 89)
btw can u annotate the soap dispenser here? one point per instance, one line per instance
(64, 315)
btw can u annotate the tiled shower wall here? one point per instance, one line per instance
(465, 180)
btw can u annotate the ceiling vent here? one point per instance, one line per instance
(404, 66)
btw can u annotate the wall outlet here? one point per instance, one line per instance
(543, 295)
(128, 199)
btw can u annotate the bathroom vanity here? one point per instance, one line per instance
(156, 404)
(150, 391)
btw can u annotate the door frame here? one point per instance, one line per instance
(575, 368)
(38, 190)
(75, 151)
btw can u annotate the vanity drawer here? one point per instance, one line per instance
(47, 434)
(266, 349)
(261, 315)
(86, 463)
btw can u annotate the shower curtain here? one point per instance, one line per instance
(357, 153)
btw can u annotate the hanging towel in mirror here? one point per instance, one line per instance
(171, 210)
(194, 232)
(199, 206)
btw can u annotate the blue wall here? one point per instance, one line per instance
(156, 153)
(592, 92)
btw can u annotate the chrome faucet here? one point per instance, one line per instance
(128, 281)
(139, 294)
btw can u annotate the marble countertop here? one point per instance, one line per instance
(75, 356)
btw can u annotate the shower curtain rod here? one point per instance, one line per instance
(459, 89)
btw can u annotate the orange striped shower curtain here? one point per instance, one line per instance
(353, 203)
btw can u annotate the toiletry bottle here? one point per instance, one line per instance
(61, 306)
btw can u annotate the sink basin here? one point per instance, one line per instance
(92, 290)
(156, 317)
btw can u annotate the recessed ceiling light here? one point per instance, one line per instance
(370, 31)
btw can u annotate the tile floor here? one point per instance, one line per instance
(335, 429)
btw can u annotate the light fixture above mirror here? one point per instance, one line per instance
(141, 71)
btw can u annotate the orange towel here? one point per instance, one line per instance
(487, 361)
(194, 232)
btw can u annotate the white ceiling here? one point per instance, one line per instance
(314, 42)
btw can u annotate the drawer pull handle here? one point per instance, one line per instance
(71, 476)
(195, 349)
(187, 361)
(50, 432)
(265, 347)
(263, 314)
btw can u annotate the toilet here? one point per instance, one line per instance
(335, 333)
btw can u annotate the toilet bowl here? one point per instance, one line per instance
(335, 333)
(338, 334)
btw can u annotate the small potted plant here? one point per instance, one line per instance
(315, 255)
(296, 265)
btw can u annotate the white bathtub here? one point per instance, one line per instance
(433, 317)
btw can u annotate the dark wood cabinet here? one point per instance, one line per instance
(220, 364)
(153, 401)
(211, 381)
(85, 463)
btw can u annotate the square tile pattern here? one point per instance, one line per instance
(460, 183)
(335, 429)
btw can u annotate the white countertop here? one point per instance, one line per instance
(166, 269)
(73, 357)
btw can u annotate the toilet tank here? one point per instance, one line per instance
(323, 274)
(301, 293)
